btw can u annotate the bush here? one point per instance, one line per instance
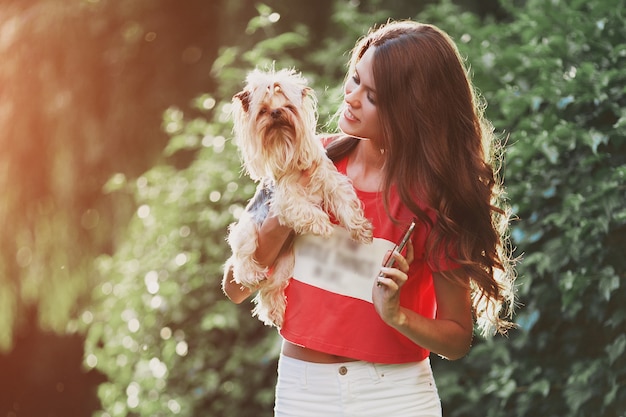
(171, 343)
(553, 80)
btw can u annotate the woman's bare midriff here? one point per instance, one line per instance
(309, 355)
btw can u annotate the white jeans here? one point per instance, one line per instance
(360, 389)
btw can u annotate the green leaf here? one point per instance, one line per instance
(616, 349)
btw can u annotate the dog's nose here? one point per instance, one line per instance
(276, 113)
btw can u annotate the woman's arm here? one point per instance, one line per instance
(450, 333)
(273, 236)
(236, 293)
(271, 239)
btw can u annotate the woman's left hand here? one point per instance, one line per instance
(387, 287)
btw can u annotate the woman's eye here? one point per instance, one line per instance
(356, 80)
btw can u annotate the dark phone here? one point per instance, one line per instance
(401, 244)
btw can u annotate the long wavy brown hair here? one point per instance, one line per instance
(441, 151)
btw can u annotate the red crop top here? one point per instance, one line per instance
(329, 298)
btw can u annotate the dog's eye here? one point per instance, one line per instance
(262, 111)
(291, 108)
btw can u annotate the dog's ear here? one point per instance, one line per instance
(244, 96)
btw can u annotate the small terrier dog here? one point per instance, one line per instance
(275, 118)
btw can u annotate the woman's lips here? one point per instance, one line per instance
(347, 114)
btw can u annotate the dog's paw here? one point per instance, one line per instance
(360, 228)
(320, 228)
(363, 233)
(305, 219)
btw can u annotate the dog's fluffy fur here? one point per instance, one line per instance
(275, 119)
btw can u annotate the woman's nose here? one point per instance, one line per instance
(351, 97)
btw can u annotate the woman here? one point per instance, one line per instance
(415, 145)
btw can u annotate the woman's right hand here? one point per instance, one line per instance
(271, 239)
(235, 292)
(273, 236)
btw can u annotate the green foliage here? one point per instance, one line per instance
(163, 331)
(84, 84)
(170, 342)
(552, 78)
(165, 335)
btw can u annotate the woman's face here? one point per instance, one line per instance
(359, 117)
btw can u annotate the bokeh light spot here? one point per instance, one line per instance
(121, 360)
(150, 37)
(182, 348)
(173, 406)
(181, 259)
(191, 55)
(142, 182)
(143, 211)
(129, 344)
(107, 288)
(157, 368)
(151, 280)
(91, 360)
(274, 17)
(208, 103)
(87, 317)
(215, 196)
(166, 333)
(133, 325)
(156, 302)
